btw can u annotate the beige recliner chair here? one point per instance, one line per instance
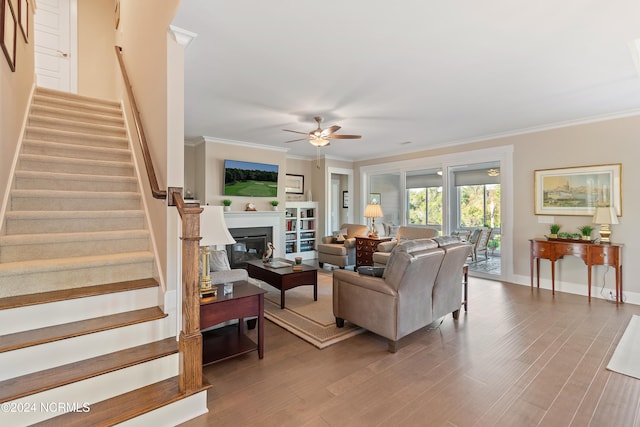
(341, 253)
(421, 283)
(383, 251)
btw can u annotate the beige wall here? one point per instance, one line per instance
(605, 142)
(96, 55)
(15, 90)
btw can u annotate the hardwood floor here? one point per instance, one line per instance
(517, 358)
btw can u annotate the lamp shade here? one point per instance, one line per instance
(605, 215)
(213, 229)
(373, 211)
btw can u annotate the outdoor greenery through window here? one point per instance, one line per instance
(479, 205)
(425, 206)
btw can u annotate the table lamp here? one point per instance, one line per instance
(373, 211)
(214, 231)
(604, 216)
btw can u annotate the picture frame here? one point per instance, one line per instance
(579, 190)
(117, 14)
(8, 32)
(23, 18)
(294, 184)
(345, 199)
(374, 199)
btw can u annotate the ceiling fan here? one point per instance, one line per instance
(320, 137)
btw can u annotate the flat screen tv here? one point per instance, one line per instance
(250, 179)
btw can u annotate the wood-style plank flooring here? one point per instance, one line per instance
(518, 357)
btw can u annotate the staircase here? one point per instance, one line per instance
(80, 326)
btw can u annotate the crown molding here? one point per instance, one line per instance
(244, 144)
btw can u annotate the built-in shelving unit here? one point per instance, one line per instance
(300, 229)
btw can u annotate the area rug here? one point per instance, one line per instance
(627, 354)
(310, 320)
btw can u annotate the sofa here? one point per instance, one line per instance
(383, 251)
(340, 248)
(421, 283)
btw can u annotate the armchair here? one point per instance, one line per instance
(383, 251)
(479, 241)
(343, 253)
(421, 283)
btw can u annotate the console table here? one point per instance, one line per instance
(365, 247)
(590, 253)
(220, 344)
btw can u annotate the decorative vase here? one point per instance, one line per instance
(553, 236)
(226, 208)
(275, 208)
(586, 237)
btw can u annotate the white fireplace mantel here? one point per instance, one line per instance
(273, 219)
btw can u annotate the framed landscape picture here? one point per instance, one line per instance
(294, 184)
(578, 190)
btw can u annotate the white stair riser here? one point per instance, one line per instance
(44, 281)
(66, 124)
(82, 183)
(89, 167)
(75, 138)
(174, 414)
(45, 356)
(106, 202)
(76, 151)
(78, 116)
(54, 250)
(74, 224)
(67, 311)
(94, 389)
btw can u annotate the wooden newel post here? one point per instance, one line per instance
(190, 342)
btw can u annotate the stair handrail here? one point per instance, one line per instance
(190, 340)
(146, 154)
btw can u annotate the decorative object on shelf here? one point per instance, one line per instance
(268, 253)
(298, 260)
(604, 216)
(564, 191)
(250, 207)
(227, 205)
(553, 231)
(374, 198)
(274, 204)
(373, 211)
(214, 232)
(8, 36)
(294, 184)
(586, 231)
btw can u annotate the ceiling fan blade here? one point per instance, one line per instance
(295, 131)
(344, 136)
(295, 140)
(330, 130)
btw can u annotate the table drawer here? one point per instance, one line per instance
(542, 249)
(577, 249)
(603, 255)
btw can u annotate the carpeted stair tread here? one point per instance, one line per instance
(48, 379)
(43, 221)
(81, 116)
(73, 162)
(39, 336)
(62, 176)
(125, 406)
(75, 263)
(45, 238)
(74, 97)
(62, 194)
(75, 215)
(76, 126)
(47, 134)
(75, 149)
(74, 293)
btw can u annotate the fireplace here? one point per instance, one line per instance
(251, 243)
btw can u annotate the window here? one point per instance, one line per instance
(425, 206)
(479, 205)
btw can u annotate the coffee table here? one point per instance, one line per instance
(284, 278)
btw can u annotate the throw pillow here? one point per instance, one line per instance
(218, 261)
(366, 270)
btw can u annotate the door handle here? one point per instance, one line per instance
(63, 54)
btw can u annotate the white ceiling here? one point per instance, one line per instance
(419, 71)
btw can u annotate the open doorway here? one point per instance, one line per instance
(339, 199)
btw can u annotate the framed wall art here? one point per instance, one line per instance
(23, 18)
(345, 199)
(8, 32)
(374, 199)
(578, 190)
(294, 184)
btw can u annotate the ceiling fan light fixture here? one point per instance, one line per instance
(319, 142)
(493, 172)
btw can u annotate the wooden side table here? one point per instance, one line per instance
(220, 344)
(365, 247)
